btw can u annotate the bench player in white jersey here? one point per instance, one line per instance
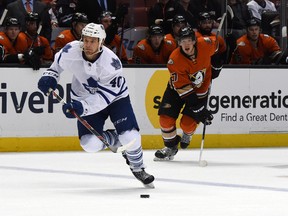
(99, 91)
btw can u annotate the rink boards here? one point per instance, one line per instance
(249, 106)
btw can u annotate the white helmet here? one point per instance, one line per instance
(95, 30)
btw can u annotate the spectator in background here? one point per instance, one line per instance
(258, 7)
(64, 10)
(156, 13)
(38, 47)
(178, 22)
(93, 8)
(154, 49)
(52, 12)
(204, 29)
(256, 48)
(181, 7)
(12, 46)
(79, 21)
(237, 16)
(18, 9)
(199, 6)
(112, 40)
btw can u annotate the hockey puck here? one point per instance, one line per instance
(145, 196)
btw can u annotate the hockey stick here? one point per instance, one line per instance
(219, 30)
(203, 163)
(284, 36)
(3, 16)
(92, 130)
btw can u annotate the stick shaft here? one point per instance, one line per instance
(86, 124)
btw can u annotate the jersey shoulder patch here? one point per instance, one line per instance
(141, 46)
(170, 61)
(61, 36)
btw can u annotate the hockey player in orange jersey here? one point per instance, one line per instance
(153, 50)
(190, 78)
(38, 47)
(178, 22)
(78, 22)
(255, 48)
(204, 29)
(13, 46)
(113, 40)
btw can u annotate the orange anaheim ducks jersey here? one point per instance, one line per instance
(245, 53)
(188, 75)
(39, 41)
(18, 46)
(222, 44)
(172, 39)
(62, 39)
(144, 54)
(115, 47)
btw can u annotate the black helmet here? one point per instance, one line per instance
(155, 30)
(32, 17)
(10, 21)
(179, 19)
(187, 32)
(80, 17)
(253, 22)
(206, 16)
(104, 14)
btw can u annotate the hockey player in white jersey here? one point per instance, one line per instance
(99, 90)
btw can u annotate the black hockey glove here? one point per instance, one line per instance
(201, 114)
(32, 59)
(217, 64)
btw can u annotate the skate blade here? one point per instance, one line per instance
(149, 186)
(163, 159)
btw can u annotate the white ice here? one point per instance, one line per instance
(236, 182)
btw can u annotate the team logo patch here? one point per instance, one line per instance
(170, 61)
(197, 78)
(141, 46)
(92, 86)
(61, 36)
(116, 63)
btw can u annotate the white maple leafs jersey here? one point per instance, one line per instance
(95, 85)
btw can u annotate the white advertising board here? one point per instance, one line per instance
(244, 101)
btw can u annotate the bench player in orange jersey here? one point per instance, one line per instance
(153, 50)
(13, 46)
(256, 48)
(78, 22)
(38, 47)
(204, 29)
(178, 22)
(190, 78)
(113, 40)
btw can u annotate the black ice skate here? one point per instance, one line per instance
(144, 177)
(185, 140)
(166, 154)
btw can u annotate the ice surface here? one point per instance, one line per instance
(244, 182)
